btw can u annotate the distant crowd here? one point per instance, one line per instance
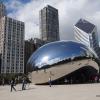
(92, 79)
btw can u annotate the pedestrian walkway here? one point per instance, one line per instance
(56, 92)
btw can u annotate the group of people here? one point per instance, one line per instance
(13, 83)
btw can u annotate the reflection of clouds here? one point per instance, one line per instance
(55, 60)
(55, 55)
(45, 59)
(51, 62)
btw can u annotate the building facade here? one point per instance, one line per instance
(12, 45)
(49, 24)
(38, 42)
(86, 33)
(2, 10)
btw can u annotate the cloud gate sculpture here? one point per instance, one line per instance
(62, 60)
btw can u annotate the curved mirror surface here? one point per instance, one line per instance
(54, 52)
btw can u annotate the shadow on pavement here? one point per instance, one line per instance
(27, 89)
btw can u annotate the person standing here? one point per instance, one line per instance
(12, 85)
(3, 81)
(50, 82)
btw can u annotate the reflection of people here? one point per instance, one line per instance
(96, 79)
(50, 81)
(71, 81)
(66, 81)
(12, 85)
(99, 79)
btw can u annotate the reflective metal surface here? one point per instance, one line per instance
(59, 59)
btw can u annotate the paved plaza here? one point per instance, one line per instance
(56, 92)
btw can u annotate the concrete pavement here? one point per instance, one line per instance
(56, 92)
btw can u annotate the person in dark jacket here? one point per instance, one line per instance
(12, 85)
(23, 84)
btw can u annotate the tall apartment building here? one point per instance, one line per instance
(49, 24)
(86, 33)
(2, 10)
(11, 45)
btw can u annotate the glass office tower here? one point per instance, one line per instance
(49, 24)
(86, 33)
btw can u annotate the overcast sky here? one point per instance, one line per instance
(70, 11)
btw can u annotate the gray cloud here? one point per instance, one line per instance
(70, 11)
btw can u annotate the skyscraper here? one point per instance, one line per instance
(86, 33)
(11, 45)
(2, 10)
(49, 24)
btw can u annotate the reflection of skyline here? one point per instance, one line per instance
(63, 63)
(55, 53)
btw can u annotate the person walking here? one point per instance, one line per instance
(23, 84)
(12, 85)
